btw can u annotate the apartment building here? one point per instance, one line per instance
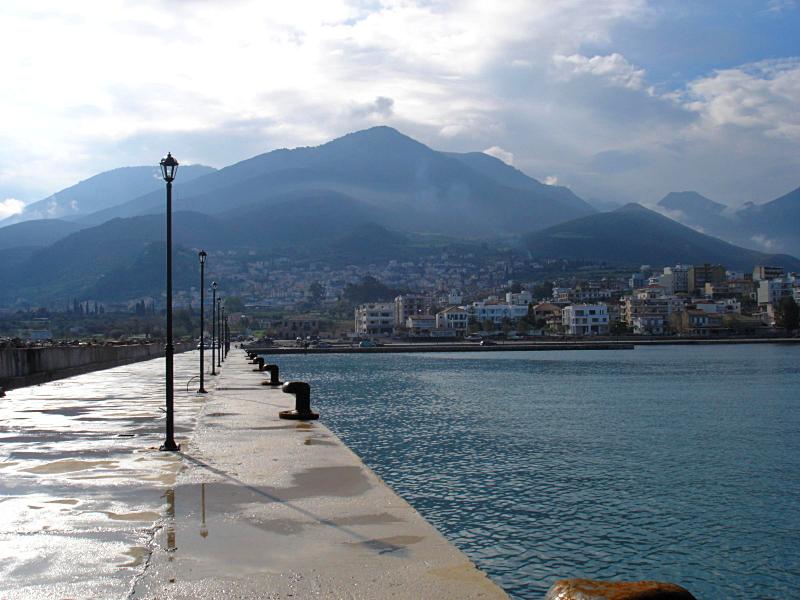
(585, 319)
(376, 318)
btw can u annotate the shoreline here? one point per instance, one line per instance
(418, 347)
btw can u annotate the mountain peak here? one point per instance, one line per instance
(689, 202)
(377, 138)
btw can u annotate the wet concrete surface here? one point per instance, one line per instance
(82, 481)
(252, 506)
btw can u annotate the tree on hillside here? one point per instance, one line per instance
(368, 290)
(788, 314)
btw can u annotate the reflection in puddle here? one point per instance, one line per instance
(69, 466)
(137, 555)
(388, 545)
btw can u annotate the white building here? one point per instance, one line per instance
(770, 291)
(649, 325)
(484, 311)
(455, 317)
(420, 323)
(523, 297)
(585, 319)
(376, 318)
(678, 276)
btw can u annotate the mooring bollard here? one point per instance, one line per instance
(302, 404)
(274, 377)
(260, 362)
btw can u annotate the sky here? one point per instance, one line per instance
(621, 100)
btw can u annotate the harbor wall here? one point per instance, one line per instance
(20, 367)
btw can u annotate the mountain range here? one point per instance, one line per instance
(636, 233)
(370, 195)
(770, 227)
(99, 192)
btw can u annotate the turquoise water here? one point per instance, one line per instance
(674, 463)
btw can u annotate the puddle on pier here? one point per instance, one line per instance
(239, 526)
(82, 482)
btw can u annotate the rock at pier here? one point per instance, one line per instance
(589, 589)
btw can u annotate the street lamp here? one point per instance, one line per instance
(213, 324)
(169, 167)
(202, 256)
(219, 331)
(222, 325)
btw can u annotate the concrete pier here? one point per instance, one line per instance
(252, 506)
(269, 508)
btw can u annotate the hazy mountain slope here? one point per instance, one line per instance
(691, 203)
(39, 232)
(636, 235)
(79, 260)
(416, 188)
(775, 224)
(101, 191)
(508, 176)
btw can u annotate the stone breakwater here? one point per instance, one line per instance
(21, 367)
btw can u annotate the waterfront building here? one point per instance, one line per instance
(728, 306)
(417, 324)
(650, 303)
(770, 291)
(699, 275)
(294, 328)
(679, 275)
(741, 288)
(523, 297)
(649, 325)
(496, 312)
(454, 318)
(766, 272)
(375, 318)
(585, 319)
(697, 322)
(406, 305)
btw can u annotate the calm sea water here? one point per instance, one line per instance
(673, 463)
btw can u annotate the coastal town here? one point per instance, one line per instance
(454, 302)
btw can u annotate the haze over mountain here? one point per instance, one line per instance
(39, 232)
(104, 190)
(379, 171)
(634, 233)
(768, 227)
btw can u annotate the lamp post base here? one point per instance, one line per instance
(202, 391)
(169, 446)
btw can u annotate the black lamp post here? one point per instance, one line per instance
(202, 256)
(213, 324)
(222, 326)
(219, 331)
(169, 167)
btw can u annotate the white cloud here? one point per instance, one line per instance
(499, 153)
(762, 96)
(219, 82)
(551, 180)
(10, 206)
(780, 6)
(764, 242)
(614, 68)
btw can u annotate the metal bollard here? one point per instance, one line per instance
(302, 406)
(274, 377)
(260, 362)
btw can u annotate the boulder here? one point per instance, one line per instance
(590, 589)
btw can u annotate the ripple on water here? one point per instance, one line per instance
(671, 463)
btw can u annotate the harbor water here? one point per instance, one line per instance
(673, 463)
